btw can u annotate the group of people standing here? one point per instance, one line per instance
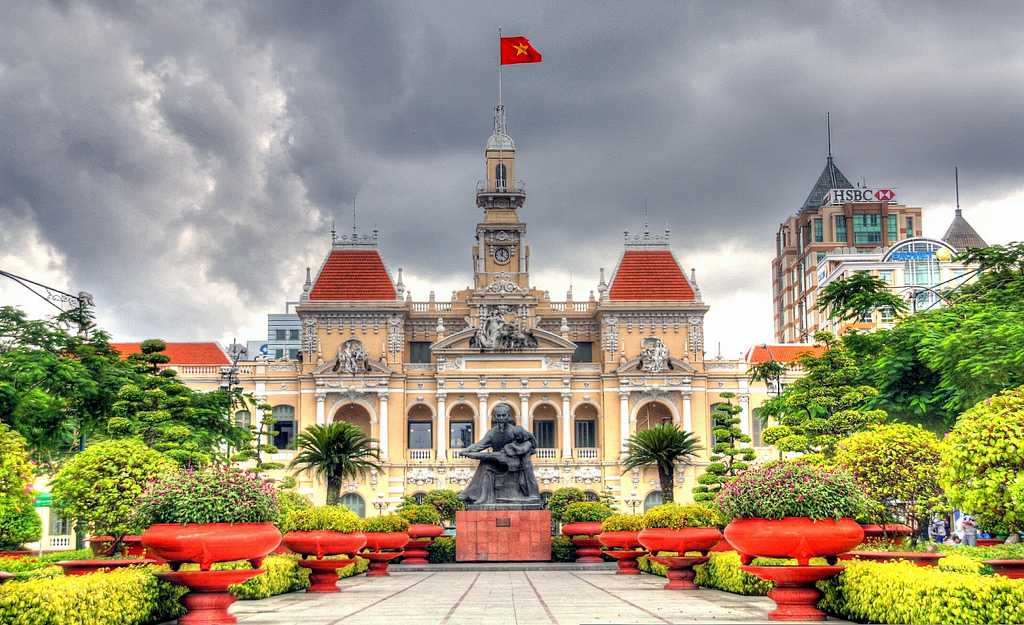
(965, 532)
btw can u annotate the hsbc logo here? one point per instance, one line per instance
(859, 196)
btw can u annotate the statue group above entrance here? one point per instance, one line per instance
(351, 358)
(654, 355)
(494, 333)
(504, 478)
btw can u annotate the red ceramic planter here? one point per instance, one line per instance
(379, 541)
(323, 574)
(588, 549)
(379, 562)
(626, 560)
(130, 545)
(794, 592)
(324, 543)
(208, 598)
(679, 541)
(84, 567)
(920, 558)
(17, 553)
(619, 540)
(680, 572)
(793, 537)
(990, 542)
(1014, 569)
(421, 536)
(5, 576)
(211, 542)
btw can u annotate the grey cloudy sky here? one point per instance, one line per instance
(183, 161)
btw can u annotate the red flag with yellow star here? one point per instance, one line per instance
(518, 50)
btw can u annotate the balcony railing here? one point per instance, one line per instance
(547, 454)
(421, 454)
(59, 542)
(586, 453)
(429, 306)
(573, 306)
(518, 186)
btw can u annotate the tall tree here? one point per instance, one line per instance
(853, 297)
(663, 446)
(728, 458)
(335, 452)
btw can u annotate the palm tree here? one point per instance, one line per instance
(663, 446)
(335, 452)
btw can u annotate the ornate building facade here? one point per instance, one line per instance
(423, 377)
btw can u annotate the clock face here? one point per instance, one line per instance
(502, 255)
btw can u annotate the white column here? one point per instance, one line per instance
(624, 420)
(382, 418)
(566, 430)
(687, 413)
(321, 418)
(745, 415)
(442, 427)
(482, 417)
(524, 410)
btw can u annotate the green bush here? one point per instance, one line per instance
(441, 550)
(445, 500)
(421, 514)
(562, 549)
(283, 574)
(900, 592)
(791, 489)
(677, 516)
(722, 571)
(289, 500)
(584, 511)
(386, 524)
(121, 597)
(19, 522)
(99, 486)
(333, 518)
(212, 495)
(560, 500)
(623, 523)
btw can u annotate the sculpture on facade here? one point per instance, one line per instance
(351, 358)
(504, 479)
(654, 356)
(494, 333)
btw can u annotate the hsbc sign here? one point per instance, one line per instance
(859, 196)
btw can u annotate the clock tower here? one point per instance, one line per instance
(500, 256)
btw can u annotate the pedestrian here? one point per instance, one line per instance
(937, 530)
(970, 531)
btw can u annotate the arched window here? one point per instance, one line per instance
(243, 419)
(653, 498)
(354, 502)
(420, 427)
(586, 427)
(460, 427)
(652, 414)
(591, 495)
(355, 414)
(545, 427)
(417, 497)
(284, 427)
(500, 176)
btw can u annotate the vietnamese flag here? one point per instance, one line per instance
(518, 50)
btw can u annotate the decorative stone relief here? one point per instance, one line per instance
(654, 355)
(696, 334)
(587, 475)
(351, 358)
(548, 475)
(396, 335)
(610, 337)
(309, 339)
(420, 476)
(460, 475)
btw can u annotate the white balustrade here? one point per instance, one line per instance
(421, 454)
(586, 453)
(547, 454)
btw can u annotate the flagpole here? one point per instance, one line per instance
(499, 66)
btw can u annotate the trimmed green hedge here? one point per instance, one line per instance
(562, 549)
(900, 592)
(722, 572)
(283, 575)
(441, 550)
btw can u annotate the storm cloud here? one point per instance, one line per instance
(184, 162)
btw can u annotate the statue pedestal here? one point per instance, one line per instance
(503, 535)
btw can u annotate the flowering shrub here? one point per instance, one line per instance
(791, 489)
(331, 518)
(386, 524)
(421, 514)
(583, 511)
(212, 495)
(623, 523)
(677, 516)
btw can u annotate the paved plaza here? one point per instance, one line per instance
(504, 598)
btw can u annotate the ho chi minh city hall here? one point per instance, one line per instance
(423, 377)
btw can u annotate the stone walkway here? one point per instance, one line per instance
(504, 598)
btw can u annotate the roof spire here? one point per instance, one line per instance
(828, 131)
(334, 233)
(956, 185)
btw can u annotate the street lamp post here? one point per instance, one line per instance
(380, 505)
(633, 502)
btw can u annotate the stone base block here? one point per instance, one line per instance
(503, 535)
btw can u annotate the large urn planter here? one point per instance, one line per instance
(799, 538)
(583, 537)
(892, 533)
(208, 598)
(382, 548)
(323, 573)
(794, 592)
(680, 541)
(130, 545)
(421, 536)
(15, 553)
(206, 543)
(919, 558)
(84, 567)
(990, 542)
(1014, 569)
(625, 548)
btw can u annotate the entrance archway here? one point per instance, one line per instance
(651, 414)
(355, 414)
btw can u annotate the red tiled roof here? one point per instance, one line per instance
(353, 275)
(182, 353)
(650, 275)
(781, 353)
